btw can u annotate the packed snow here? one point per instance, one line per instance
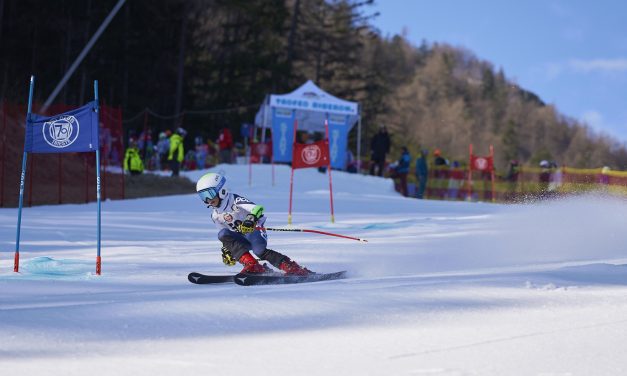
(441, 288)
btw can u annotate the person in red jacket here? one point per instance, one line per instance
(225, 144)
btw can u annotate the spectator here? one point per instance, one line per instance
(145, 145)
(212, 154)
(379, 147)
(351, 163)
(544, 178)
(154, 162)
(225, 145)
(144, 140)
(177, 150)
(116, 151)
(440, 175)
(422, 173)
(555, 181)
(604, 177)
(106, 142)
(237, 152)
(456, 178)
(440, 163)
(513, 171)
(439, 160)
(163, 147)
(133, 163)
(189, 163)
(307, 137)
(402, 169)
(202, 150)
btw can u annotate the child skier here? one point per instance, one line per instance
(238, 219)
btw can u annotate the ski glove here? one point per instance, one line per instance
(227, 257)
(248, 225)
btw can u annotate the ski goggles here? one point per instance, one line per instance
(208, 194)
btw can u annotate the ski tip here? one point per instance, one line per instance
(193, 277)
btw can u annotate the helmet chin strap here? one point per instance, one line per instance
(211, 206)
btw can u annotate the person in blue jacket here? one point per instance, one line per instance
(402, 169)
(422, 172)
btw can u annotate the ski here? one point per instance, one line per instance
(203, 279)
(280, 279)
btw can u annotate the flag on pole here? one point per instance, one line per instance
(481, 163)
(69, 132)
(311, 155)
(260, 150)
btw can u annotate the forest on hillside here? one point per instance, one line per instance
(217, 59)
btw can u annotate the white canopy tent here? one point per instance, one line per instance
(311, 106)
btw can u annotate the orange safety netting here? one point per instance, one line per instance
(528, 184)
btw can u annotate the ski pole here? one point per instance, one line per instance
(312, 231)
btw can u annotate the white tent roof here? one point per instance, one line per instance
(312, 104)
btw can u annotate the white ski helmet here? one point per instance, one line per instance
(211, 185)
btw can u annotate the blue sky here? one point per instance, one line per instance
(573, 54)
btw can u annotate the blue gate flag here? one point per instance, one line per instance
(282, 134)
(69, 132)
(338, 141)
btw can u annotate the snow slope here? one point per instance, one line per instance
(441, 288)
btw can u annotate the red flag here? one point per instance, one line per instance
(481, 163)
(261, 149)
(310, 155)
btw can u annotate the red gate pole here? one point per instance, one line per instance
(104, 172)
(492, 172)
(289, 214)
(326, 127)
(470, 174)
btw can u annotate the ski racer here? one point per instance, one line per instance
(241, 228)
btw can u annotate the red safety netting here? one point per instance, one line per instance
(59, 178)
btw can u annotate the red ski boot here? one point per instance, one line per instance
(292, 268)
(250, 264)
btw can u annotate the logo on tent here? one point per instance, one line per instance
(62, 132)
(311, 154)
(310, 94)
